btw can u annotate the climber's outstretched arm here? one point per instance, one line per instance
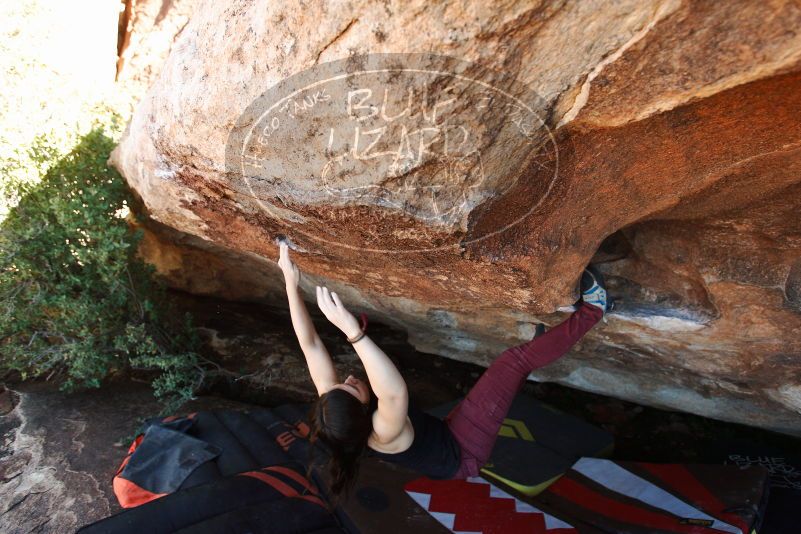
(386, 381)
(321, 368)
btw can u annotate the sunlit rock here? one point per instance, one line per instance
(661, 138)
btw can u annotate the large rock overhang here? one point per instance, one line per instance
(667, 146)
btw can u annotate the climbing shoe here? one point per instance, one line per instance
(593, 290)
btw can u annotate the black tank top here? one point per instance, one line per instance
(433, 452)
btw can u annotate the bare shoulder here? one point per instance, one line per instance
(397, 445)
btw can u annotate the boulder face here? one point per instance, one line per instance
(451, 169)
(146, 33)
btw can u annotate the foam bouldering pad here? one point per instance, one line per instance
(379, 503)
(272, 500)
(537, 443)
(389, 498)
(783, 513)
(643, 498)
(476, 505)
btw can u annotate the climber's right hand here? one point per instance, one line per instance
(290, 270)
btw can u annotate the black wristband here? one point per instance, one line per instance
(357, 338)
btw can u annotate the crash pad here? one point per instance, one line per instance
(536, 444)
(645, 498)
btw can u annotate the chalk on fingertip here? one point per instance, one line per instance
(282, 239)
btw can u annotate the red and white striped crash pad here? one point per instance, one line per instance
(639, 498)
(474, 506)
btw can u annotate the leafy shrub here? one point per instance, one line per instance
(77, 303)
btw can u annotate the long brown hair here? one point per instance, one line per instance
(341, 423)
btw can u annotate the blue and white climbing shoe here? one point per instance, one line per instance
(593, 290)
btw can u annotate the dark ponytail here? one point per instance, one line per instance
(341, 424)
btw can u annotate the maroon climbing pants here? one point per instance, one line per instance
(475, 421)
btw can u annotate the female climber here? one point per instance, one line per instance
(353, 418)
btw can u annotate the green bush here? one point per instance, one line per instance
(77, 303)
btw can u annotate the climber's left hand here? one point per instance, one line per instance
(336, 312)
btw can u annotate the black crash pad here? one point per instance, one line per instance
(537, 444)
